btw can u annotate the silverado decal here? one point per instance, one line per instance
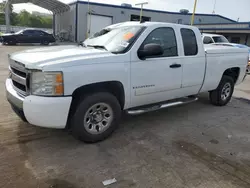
(144, 86)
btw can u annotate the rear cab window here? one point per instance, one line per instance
(189, 42)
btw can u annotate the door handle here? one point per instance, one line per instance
(175, 65)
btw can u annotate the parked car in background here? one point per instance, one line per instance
(213, 38)
(28, 36)
(238, 46)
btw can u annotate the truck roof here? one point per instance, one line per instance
(147, 24)
(211, 35)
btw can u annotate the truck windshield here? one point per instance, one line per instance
(220, 39)
(115, 40)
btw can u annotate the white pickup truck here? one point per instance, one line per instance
(213, 39)
(133, 67)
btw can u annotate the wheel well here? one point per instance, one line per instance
(114, 87)
(233, 72)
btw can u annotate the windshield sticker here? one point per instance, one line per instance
(128, 36)
(124, 44)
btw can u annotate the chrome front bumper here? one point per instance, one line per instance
(14, 98)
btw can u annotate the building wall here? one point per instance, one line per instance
(238, 25)
(243, 38)
(66, 22)
(120, 14)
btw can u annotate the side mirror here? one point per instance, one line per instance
(150, 50)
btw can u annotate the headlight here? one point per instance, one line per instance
(47, 83)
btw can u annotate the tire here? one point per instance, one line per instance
(45, 43)
(223, 94)
(12, 43)
(88, 122)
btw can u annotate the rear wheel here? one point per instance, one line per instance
(223, 94)
(96, 117)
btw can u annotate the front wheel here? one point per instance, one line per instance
(45, 43)
(223, 94)
(12, 43)
(96, 117)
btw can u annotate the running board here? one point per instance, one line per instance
(137, 111)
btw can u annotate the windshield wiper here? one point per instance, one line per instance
(98, 47)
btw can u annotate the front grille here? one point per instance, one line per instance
(19, 86)
(19, 76)
(22, 74)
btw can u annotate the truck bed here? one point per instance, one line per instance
(221, 58)
(215, 49)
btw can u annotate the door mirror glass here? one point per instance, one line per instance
(150, 50)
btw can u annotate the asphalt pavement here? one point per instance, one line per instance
(192, 146)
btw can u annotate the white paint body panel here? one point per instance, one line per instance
(84, 66)
(219, 59)
(51, 112)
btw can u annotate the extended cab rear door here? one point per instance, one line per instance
(157, 78)
(193, 60)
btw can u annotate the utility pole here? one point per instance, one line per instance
(7, 16)
(192, 20)
(214, 6)
(141, 13)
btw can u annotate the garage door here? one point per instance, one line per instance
(98, 22)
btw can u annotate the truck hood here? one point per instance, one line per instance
(40, 57)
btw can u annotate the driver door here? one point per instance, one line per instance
(157, 79)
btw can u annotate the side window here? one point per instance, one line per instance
(207, 40)
(43, 33)
(189, 42)
(28, 32)
(38, 33)
(164, 37)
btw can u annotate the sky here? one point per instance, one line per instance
(234, 9)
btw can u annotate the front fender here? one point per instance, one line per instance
(78, 76)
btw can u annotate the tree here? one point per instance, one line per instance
(23, 18)
(47, 22)
(26, 19)
(35, 21)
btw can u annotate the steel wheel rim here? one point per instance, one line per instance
(226, 91)
(98, 118)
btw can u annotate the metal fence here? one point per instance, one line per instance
(18, 28)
